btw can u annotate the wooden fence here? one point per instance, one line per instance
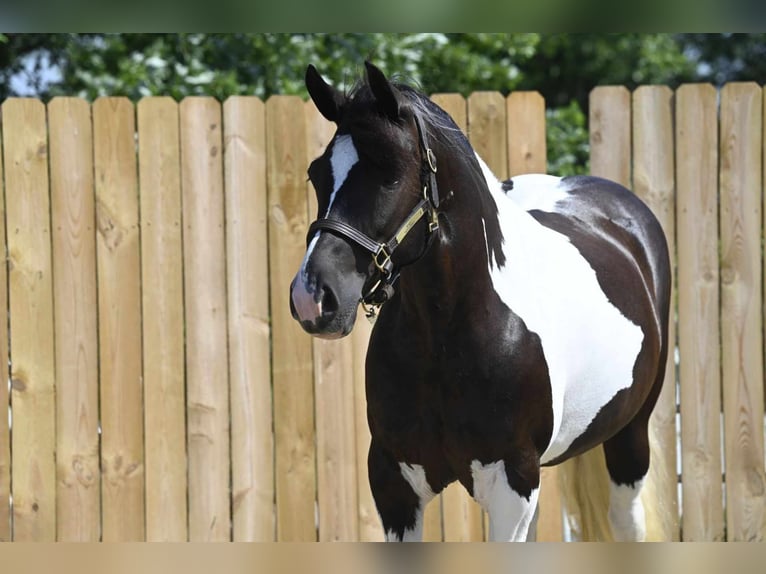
(160, 390)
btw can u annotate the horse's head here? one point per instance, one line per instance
(373, 216)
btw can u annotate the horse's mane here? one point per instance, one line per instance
(438, 123)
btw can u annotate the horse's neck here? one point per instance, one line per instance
(456, 269)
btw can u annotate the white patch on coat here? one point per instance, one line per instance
(342, 159)
(415, 475)
(510, 514)
(537, 191)
(626, 512)
(590, 347)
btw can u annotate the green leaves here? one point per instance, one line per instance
(564, 68)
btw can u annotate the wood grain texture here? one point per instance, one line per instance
(30, 288)
(334, 391)
(252, 443)
(5, 436)
(119, 303)
(654, 182)
(487, 130)
(696, 113)
(78, 505)
(462, 515)
(525, 117)
(207, 363)
(741, 309)
(292, 366)
(162, 302)
(610, 133)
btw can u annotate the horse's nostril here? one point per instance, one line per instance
(329, 302)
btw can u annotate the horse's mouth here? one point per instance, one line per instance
(324, 324)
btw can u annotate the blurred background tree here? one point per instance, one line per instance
(563, 67)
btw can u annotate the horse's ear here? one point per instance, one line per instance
(328, 100)
(386, 95)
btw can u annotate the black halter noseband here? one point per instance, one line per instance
(381, 285)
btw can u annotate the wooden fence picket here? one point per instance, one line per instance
(119, 304)
(207, 364)
(610, 134)
(654, 182)
(698, 311)
(292, 364)
(5, 435)
(741, 310)
(162, 303)
(249, 331)
(30, 289)
(78, 496)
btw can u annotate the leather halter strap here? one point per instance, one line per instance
(381, 252)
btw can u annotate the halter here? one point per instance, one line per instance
(385, 275)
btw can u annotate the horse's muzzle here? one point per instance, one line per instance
(317, 310)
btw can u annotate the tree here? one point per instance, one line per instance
(563, 67)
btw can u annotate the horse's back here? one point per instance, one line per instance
(591, 206)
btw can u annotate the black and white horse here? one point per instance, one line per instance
(520, 323)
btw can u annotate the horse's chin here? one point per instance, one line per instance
(331, 336)
(341, 326)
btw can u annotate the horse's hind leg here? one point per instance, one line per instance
(627, 460)
(401, 492)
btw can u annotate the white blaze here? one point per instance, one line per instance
(343, 158)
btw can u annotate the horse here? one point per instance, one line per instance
(518, 323)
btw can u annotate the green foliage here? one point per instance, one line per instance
(567, 140)
(564, 68)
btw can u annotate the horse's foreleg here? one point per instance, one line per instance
(510, 498)
(401, 492)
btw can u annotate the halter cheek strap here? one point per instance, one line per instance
(385, 274)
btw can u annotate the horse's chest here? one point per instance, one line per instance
(472, 401)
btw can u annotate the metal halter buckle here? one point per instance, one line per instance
(431, 159)
(381, 265)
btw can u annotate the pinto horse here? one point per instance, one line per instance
(520, 323)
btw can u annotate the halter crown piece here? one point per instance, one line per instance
(384, 273)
